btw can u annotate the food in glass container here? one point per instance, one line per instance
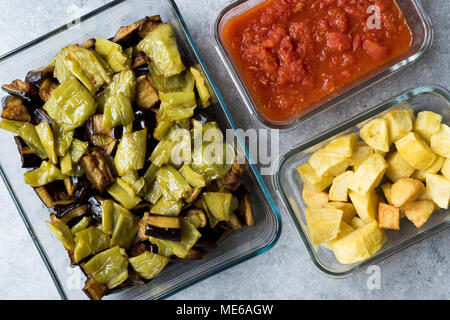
(371, 191)
(292, 53)
(99, 127)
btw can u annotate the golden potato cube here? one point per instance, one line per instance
(368, 175)
(405, 190)
(342, 146)
(439, 189)
(348, 210)
(440, 141)
(434, 168)
(366, 206)
(313, 199)
(375, 134)
(344, 230)
(446, 169)
(415, 151)
(399, 123)
(357, 223)
(361, 153)
(419, 212)
(359, 244)
(398, 167)
(427, 123)
(388, 217)
(326, 165)
(339, 187)
(311, 179)
(386, 188)
(323, 224)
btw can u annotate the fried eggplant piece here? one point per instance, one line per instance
(69, 212)
(141, 247)
(94, 290)
(139, 60)
(77, 187)
(98, 169)
(46, 89)
(148, 25)
(128, 35)
(94, 126)
(88, 44)
(163, 227)
(146, 95)
(41, 115)
(95, 206)
(54, 194)
(27, 156)
(233, 179)
(245, 210)
(21, 89)
(13, 109)
(36, 77)
(196, 216)
(195, 254)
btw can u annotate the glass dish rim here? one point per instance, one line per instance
(248, 101)
(406, 95)
(273, 208)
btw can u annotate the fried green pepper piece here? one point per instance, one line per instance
(150, 174)
(11, 125)
(66, 164)
(202, 90)
(163, 249)
(125, 227)
(84, 65)
(117, 111)
(221, 204)
(166, 207)
(132, 182)
(107, 216)
(172, 184)
(89, 241)
(180, 82)
(113, 54)
(193, 178)
(109, 267)
(201, 203)
(177, 105)
(45, 134)
(189, 236)
(70, 105)
(81, 225)
(46, 173)
(148, 264)
(63, 139)
(160, 45)
(124, 83)
(62, 232)
(121, 195)
(162, 128)
(153, 194)
(77, 150)
(28, 133)
(130, 154)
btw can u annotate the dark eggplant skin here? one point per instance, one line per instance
(94, 126)
(37, 76)
(205, 245)
(203, 116)
(28, 158)
(27, 92)
(172, 234)
(148, 25)
(41, 115)
(95, 207)
(77, 187)
(63, 212)
(141, 247)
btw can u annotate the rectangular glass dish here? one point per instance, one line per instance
(289, 185)
(239, 246)
(416, 18)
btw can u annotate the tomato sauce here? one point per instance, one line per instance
(291, 53)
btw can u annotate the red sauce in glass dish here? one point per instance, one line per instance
(291, 53)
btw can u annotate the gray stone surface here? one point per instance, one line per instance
(285, 272)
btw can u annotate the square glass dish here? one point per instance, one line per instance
(289, 185)
(422, 35)
(239, 246)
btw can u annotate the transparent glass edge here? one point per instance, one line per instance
(276, 178)
(428, 39)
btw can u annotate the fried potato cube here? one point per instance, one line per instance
(348, 210)
(339, 187)
(388, 217)
(405, 190)
(366, 206)
(439, 189)
(361, 153)
(427, 123)
(434, 168)
(357, 223)
(398, 167)
(313, 199)
(323, 224)
(368, 175)
(342, 146)
(415, 151)
(326, 165)
(344, 230)
(311, 179)
(359, 244)
(419, 212)
(446, 169)
(386, 188)
(440, 141)
(399, 123)
(375, 134)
